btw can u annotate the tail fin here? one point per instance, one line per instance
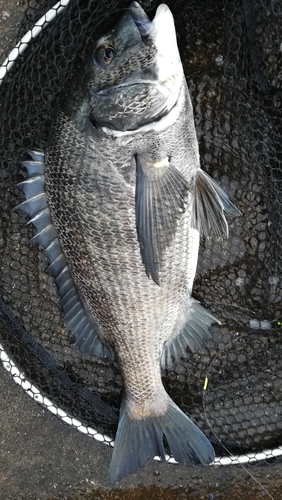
(137, 441)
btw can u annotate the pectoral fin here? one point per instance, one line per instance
(161, 199)
(210, 203)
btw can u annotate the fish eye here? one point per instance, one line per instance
(104, 55)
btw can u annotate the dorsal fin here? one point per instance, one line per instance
(76, 319)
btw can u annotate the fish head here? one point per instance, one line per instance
(136, 72)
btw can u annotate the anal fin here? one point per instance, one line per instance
(193, 334)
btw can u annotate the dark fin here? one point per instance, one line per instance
(193, 334)
(33, 205)
(57, 265)
(161, 196)
(41, 219)
(210, 203)
(45, 236)
(187, 442)
(64, 281)
(138, 441)
(53, 251)
(34, 167)
(88, 341)
(32, 186)
(76, 319)
(36, 155)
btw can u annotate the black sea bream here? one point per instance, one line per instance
(118, 200)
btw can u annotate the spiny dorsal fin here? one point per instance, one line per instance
(76, 319)
(161, 199)
(210, 203)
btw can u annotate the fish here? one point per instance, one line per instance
(119, 202)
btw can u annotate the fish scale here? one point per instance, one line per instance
(126, 199)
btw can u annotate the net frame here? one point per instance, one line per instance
(7, 361)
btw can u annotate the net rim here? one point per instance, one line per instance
(7, 362)
(22, 45)
(34, 392)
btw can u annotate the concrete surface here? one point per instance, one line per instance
(43, 458)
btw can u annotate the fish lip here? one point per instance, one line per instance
(167, 61)
(140, 19)
(162, 32)
(165, 72)
(164, 37)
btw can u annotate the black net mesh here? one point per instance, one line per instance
(232, 56)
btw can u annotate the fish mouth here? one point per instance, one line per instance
(140, 18)
(154, 88)
(168, 71)
(161, 30)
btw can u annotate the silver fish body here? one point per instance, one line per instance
(123, 203)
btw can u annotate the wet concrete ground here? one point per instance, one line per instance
(43, 458)
(11, 13)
